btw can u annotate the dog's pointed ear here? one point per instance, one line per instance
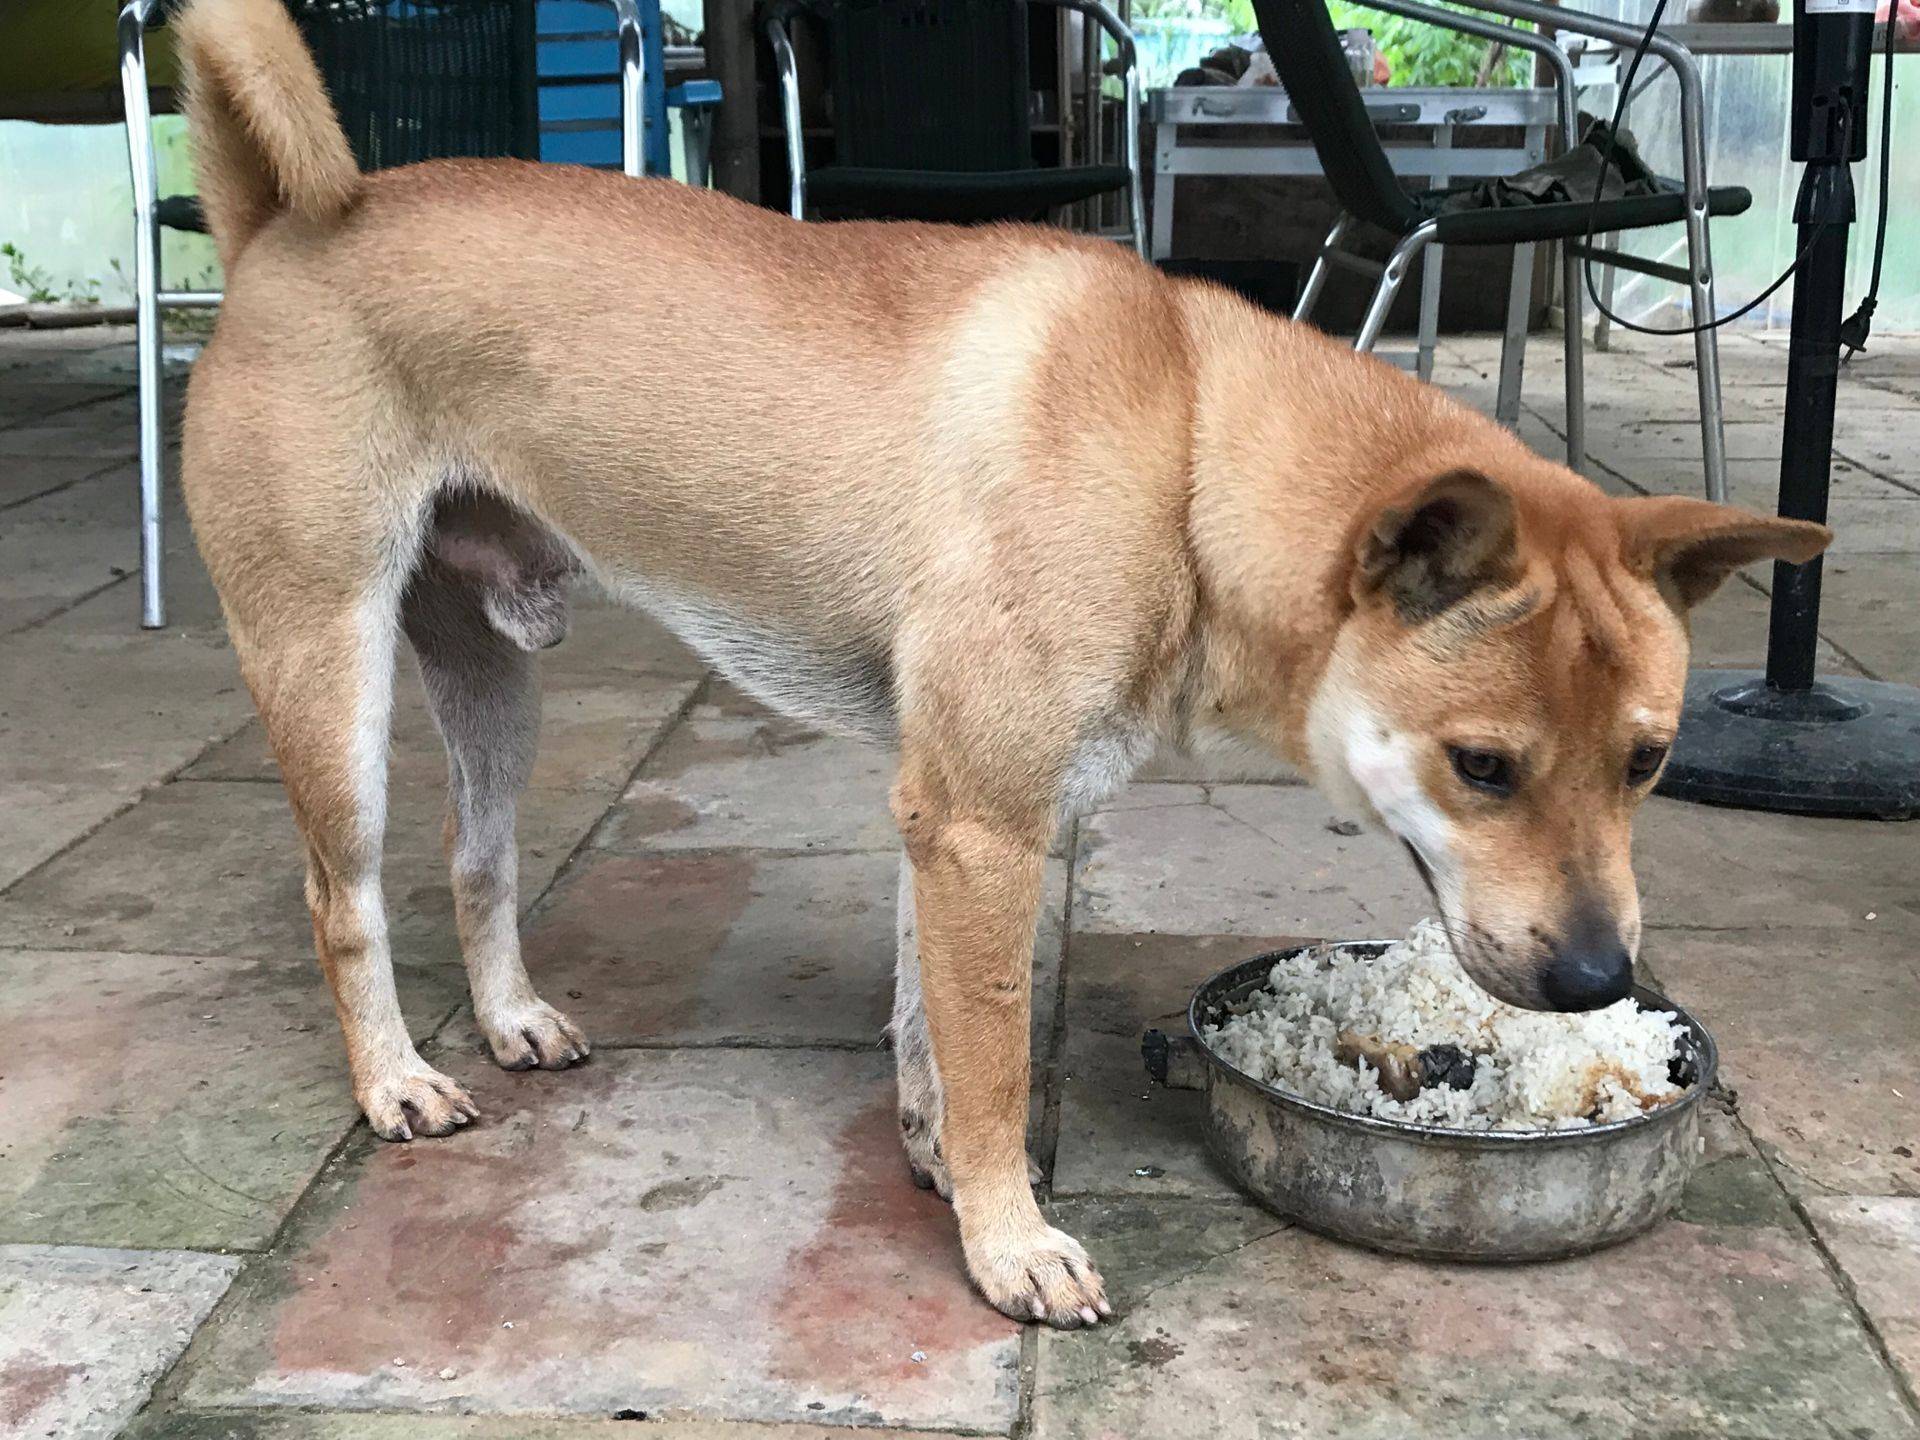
(1434, 543)
(1688, 547)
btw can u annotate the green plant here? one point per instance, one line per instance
(30, 280)
(37, 285)
(1416, 53)
(1420, 54)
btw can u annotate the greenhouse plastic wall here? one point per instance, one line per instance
(1747, 104)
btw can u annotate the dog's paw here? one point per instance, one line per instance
(534, 1035)
(417, 1100)
(921, 1138)
(1039, 1273)
(924, 1162)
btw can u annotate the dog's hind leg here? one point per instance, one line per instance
(483, 687)
(317, 650)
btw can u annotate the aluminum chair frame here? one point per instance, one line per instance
(1698, 275)
(1116, 30)
(150, 297)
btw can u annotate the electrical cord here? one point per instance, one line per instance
(1857, 325)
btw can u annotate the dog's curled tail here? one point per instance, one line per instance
(265, 136)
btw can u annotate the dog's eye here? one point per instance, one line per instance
(1484, 769)
(1645, 761)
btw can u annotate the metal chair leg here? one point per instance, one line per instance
(1164, 181)
(1706, 347)
(146, 284)
(1513, 344)
(696, 144)
(1430, 265)
(1391, 280)
(633, 87)
(1317, 276)
(1706, 361)
(789, 70)
(1609, 275)
(1576, 359)
(1136, 180)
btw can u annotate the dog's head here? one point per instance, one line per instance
(1503, 692)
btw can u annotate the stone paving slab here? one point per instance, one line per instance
(62, 546)
(25, 401)
(738, 945)
(72, 433)
(22, 481)
(171, 1102)
(1239, 860)
(1879, 527)
(1730, 632)
(1870, 602)
(1659, 446)
(217, 868)
(93, 711)
(167, 1424)
(85, 1333)
(1876, 1241)
(695, 1234)
(1721, 1322)
(1120, 1134)
(1819, 1033)
(1756, 484)
(763, 782)
(1792, 870)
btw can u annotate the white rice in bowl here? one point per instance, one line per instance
(1532, 1070)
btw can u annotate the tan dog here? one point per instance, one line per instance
(1005, 499)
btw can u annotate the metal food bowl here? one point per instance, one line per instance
(1447, 1194)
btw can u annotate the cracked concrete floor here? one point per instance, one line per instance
(707, 1232)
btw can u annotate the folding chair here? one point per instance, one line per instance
(932, 118)
(1306, 52)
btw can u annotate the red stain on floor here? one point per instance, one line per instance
(882, 1280)
(25, 1386)
(438, 1247)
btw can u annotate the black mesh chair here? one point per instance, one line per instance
(411, 80)
(1307, 55)
(931, 112)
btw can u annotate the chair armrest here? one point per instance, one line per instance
(135, 16)
(1501, 34)
(1580, 22)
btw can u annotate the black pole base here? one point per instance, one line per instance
(1845, 747)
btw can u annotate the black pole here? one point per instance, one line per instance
(1806, 449)
(1831, 56)
(1784, 740)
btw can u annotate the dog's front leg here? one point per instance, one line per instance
(976, 885)
(921, 1105)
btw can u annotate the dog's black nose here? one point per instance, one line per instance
(1589, 978)
(1591, 969)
